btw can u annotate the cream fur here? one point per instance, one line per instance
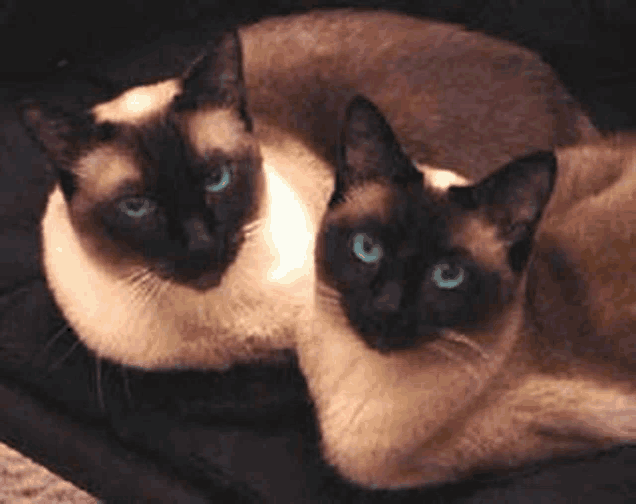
(250, 315)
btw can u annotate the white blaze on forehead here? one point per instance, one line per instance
(442, 179)
(217, 129)
(138, 104)
(289, 231)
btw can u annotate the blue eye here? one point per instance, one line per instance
(365, 249)
(137, 207)
(220, 180)
(446, 276)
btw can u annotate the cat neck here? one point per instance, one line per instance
(250, 316)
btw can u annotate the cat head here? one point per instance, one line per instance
(409, 260)
(164, 175)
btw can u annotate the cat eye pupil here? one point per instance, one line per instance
(220, 179)
(448, 273)
(136, 207)
(447, 276)
(365, 249)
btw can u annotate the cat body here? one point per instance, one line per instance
(431, 353)
(456, 99)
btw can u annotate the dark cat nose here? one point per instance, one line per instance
(388, 300)
(198, 235)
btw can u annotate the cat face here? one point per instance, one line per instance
(165, 175)
(409, 261)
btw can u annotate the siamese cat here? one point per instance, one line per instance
(180, 233)
(174, 237)
(437, 347)
(457, 99)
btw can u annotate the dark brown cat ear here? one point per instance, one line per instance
(62, 137)
(216, 76)
(52, 136)
(514, 198)
(50, 133)
(369, 150)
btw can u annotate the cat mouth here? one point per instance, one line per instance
(201, 275)
(203, 270)
(206, 281)
(396, 337)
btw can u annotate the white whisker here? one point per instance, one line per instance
(141, 285)
(42, 353)
(327, 292)
(356, 413)
(252, 226)
(127, 393)
(98, 383)
(465, 340)
(56, 365)
(453, 357)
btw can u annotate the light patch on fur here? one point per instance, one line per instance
(139, 104)
(442, 179)
(103, 170)
(250, 316)
(211, 129)
(290, 231)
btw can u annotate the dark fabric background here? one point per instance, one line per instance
(247, 435)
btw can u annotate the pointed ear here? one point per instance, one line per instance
(50, 134)
(514, 199)
(369, 150)
(216, 76)
(62, 138)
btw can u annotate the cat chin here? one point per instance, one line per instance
(251, 315)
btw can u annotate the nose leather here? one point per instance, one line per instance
(389, 298)
(197, 234)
